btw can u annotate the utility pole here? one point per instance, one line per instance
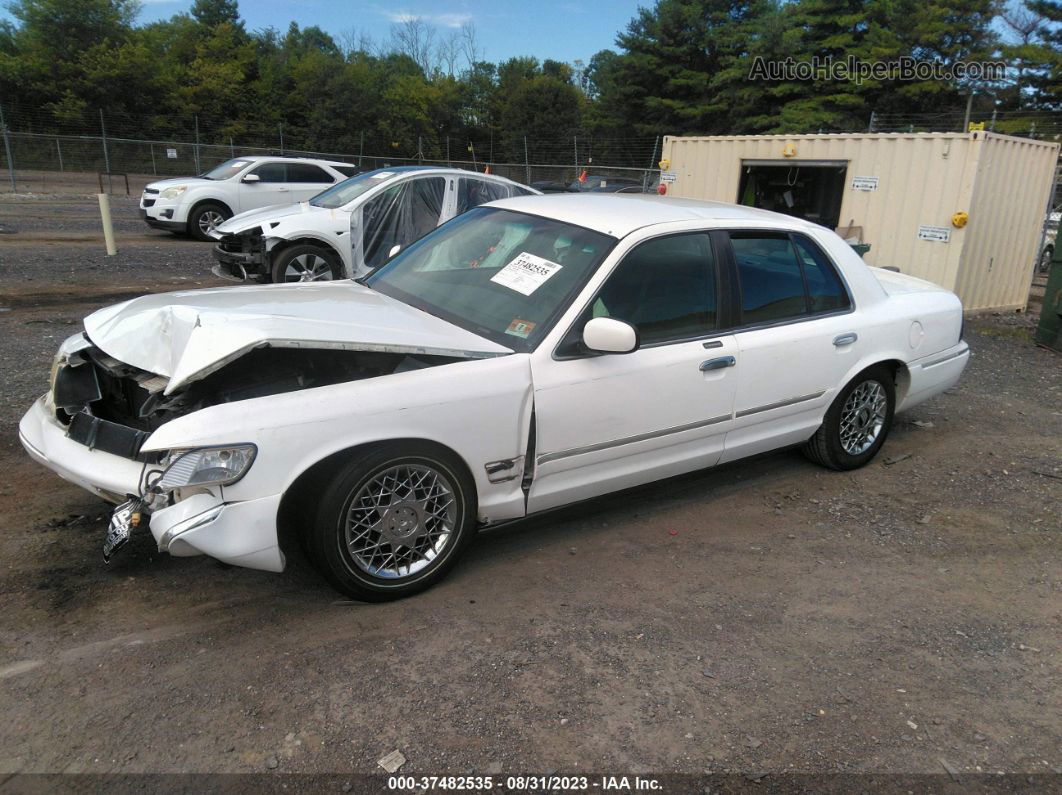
(873, 118)
(154, 170)
(448, 163)
(280, 127)
(59, 151)
(361, 147)
(969, 107)
(232, 148)
(992, 124)
(575, 145)
(7, 149)
(106, 156)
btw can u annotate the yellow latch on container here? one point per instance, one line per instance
(959, 220)
(665, 165)
(789, 150)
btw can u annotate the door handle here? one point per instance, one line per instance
(845, 339)
(718, 364)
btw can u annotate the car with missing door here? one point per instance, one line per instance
(529, 354)
(353, 227)
(195, 205)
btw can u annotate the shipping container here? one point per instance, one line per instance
(963, 210)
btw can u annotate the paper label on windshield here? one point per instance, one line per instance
(383, 175)
(526, 273)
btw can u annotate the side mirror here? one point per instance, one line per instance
(251, 178)
(607, 335)
(394, 250)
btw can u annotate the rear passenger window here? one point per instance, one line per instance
(474, 192)
(665, 288)
(304, 172)
(825, 291)
(772, 286)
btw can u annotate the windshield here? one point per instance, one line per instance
(230, 168)
(503, 275)
(349, 189)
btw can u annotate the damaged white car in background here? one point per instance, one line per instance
(531, 353)
(353, 227)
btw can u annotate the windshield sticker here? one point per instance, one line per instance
(240, 164)
(383, 175)
(520, 328)
(526, 273)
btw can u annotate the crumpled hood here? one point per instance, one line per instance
(187, 335)
(253, 218)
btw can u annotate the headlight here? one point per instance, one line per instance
(174, 192)
(206, 466)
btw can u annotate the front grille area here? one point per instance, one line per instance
(247, 244)
(102, 402)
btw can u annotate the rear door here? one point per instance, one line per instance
(796, 337)
(305, 180)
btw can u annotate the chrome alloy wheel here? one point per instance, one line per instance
(863, 417)
(208, 220)
(400, 520)
(308, 268)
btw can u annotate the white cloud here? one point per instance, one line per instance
(446, 20)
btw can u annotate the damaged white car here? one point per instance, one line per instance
(529, 354)
(353, 227)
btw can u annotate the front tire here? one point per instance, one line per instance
(306, 263)
(204, 217)
(393, 521)
(857, 422)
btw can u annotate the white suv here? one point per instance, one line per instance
(195, 205)
(351, 228)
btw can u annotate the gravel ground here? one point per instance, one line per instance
(762, 618)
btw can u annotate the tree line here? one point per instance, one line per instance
(679, 67)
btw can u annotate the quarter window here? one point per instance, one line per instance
(665, 288)
(825, 291)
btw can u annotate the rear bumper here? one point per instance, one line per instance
(242, 533)
(934, 374)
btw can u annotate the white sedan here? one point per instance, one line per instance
(529, 354)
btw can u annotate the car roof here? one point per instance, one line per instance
(619, 214)
(462, 172)
(287, 158)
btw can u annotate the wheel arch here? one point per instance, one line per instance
(301, 490)
(210, 200)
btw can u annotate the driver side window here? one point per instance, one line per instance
(665, 288)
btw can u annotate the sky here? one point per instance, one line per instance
(564, 30)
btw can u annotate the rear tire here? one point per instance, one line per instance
(204, 217)
(857, 422)
(393, 521)
(306, 262)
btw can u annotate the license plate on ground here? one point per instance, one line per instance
(125, 517)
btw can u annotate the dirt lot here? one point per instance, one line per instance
(762, 618)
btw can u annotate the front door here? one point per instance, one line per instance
(271, 187)
(607, 422)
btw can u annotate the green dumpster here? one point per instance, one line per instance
(1049, 332)
(860, 248)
